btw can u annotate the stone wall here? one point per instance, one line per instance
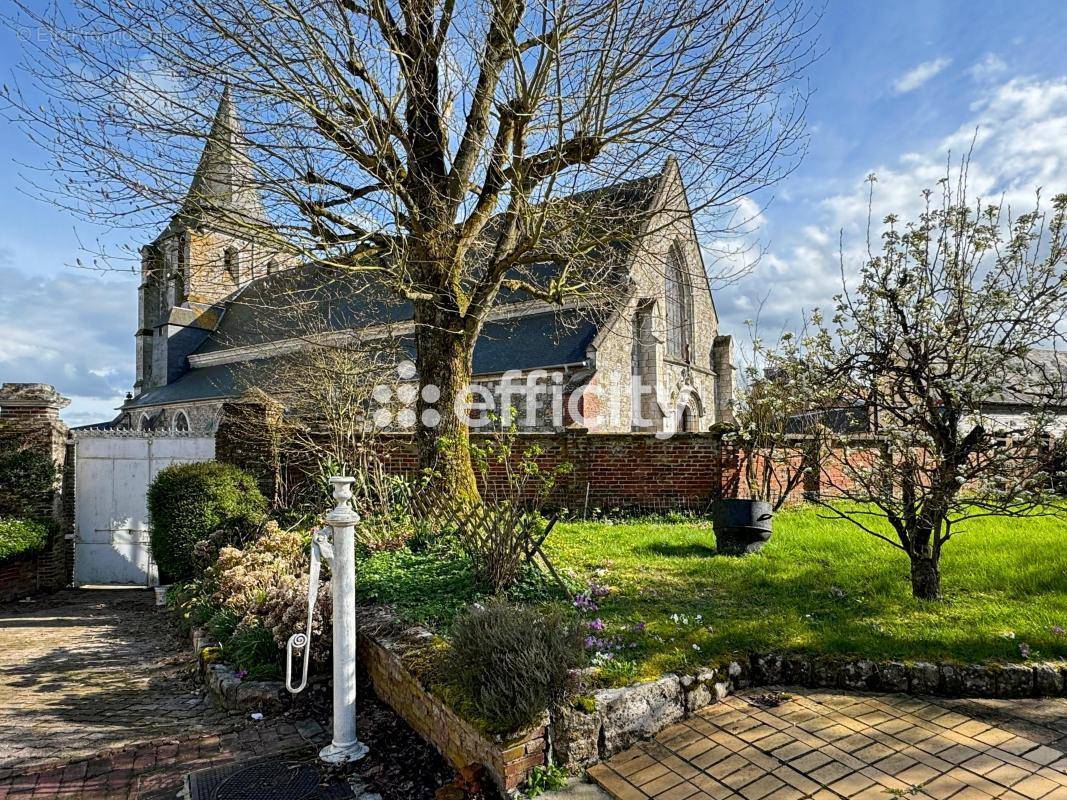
(29, 420)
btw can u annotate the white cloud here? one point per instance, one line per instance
(1021, 145)
(916, 77)
(73, 330)
(990, 67)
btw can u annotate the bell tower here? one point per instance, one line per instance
(216, 243)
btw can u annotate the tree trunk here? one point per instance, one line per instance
(925, 577)
(443, 439)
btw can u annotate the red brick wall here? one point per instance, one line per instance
(29, 419)
(18, 579)
(509, 761)
(41, 572)
(626, 471)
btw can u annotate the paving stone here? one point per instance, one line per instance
(99, 702)
(826, 745)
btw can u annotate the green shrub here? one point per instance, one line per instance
(27, 479)
(222, 625)
(252, 649)
(191, 603)
(510, 662)
(549, 778)
(191, 503)
(20, 537)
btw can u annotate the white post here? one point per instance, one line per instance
(345, 746)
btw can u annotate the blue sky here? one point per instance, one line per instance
(900, 84)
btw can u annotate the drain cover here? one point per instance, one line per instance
(265, 779)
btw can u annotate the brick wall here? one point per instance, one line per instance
(508, 759)
(18, 579)
(633, 471)
(626, 471)
(29, 420)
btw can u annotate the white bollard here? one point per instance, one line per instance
(345, 747)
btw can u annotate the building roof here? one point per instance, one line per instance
(529, 342)
(223, 187)
(1039, 377)
(314, 299)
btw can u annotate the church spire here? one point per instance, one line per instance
(224, 182)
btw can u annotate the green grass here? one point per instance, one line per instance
(820, 586)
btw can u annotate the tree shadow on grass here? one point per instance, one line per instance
(672, 550)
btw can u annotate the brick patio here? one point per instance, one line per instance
(99, 702)
(826, 745)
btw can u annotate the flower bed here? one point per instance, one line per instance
(395, 657)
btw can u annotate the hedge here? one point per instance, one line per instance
(190, 503)
(21, 537)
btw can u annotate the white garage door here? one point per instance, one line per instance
(112, 472)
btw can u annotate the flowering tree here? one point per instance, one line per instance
(778, 426)
(946, 318)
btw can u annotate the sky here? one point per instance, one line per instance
(900, 86)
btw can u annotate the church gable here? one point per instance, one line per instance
(219, 305)
(666, 337)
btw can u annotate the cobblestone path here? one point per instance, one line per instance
(98, 701)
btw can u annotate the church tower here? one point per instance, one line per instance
(215, 244)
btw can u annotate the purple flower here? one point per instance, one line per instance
(598, 591)
(596, 625)
(241, 674)
(638, 627)
(584, 603)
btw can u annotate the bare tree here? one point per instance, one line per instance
(427, 142)
(331, 393)
(948, 316)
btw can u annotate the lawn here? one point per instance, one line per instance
(819, 586)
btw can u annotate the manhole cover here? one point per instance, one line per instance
(265, 779)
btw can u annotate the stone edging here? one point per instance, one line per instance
(230, 692)
(620, 717)
(1039, 679)
(612, 720)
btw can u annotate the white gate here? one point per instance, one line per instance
(113, 470)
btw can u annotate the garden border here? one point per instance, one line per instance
(620, 717)
(392, 653)
(227, 690)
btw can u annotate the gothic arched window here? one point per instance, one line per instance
(679, 322)
(230, 261)
(144, 424)
(181, 422)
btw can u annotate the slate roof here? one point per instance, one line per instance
(1042, 374)
(224, 183)
(538, 340)
(315, 298)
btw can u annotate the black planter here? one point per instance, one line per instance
(741, 526)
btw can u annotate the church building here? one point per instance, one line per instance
(213, 298)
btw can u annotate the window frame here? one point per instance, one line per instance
(180, 413)
(678, 307)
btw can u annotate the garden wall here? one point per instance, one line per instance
(386, 650)
(626, 471)
(632, 471)
(29, 420)
(42, 572)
